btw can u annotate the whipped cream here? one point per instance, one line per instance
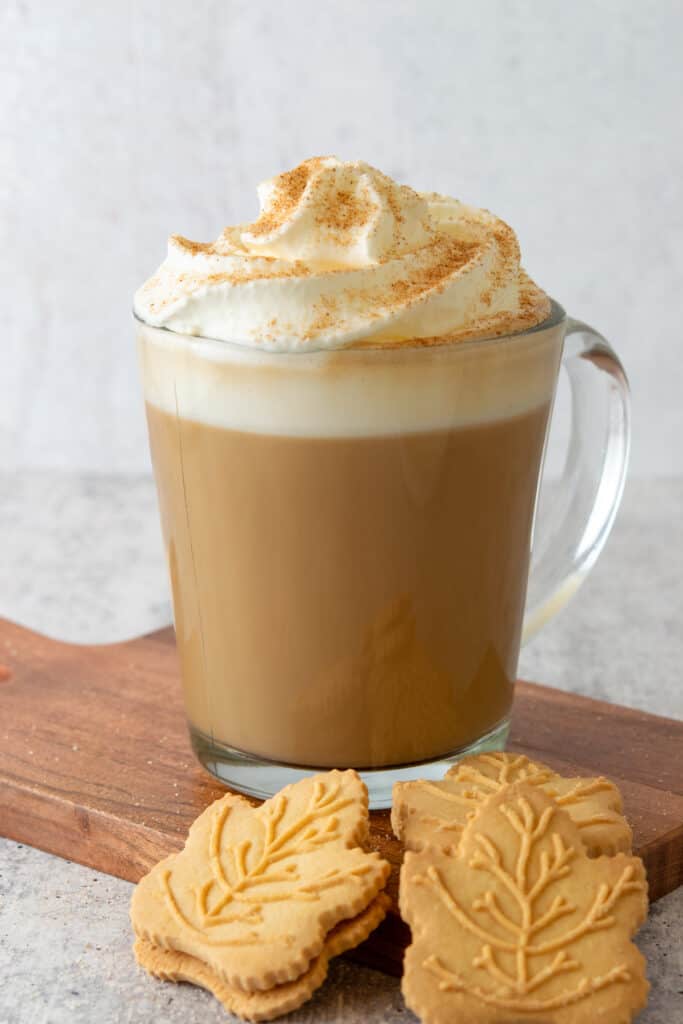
(341, 255)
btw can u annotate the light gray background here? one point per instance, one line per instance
(124, 121)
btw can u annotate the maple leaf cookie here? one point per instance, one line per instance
(261, 897)
(520, 924)
(436, 813)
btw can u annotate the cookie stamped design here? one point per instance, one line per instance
(248, 874)
(521, 921)
(256, 891)
(437, 812)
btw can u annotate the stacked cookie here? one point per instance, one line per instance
(260, 899)
(521, 896)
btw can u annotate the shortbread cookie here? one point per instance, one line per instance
(256, 890)
(520, 924)
(436, 812)
(173, 966)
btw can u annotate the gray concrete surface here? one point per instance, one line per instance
(80, 558)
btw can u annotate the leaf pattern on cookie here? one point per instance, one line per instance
(256, 890)
(436, 813)
(519, 920)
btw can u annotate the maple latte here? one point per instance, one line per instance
(347, 403)
(348, 597)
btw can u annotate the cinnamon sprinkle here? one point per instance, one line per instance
(325, 318)
(291, 186)
(345, 211)
(193, 247)
(450, 255)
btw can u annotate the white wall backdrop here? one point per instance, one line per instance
(121, 122)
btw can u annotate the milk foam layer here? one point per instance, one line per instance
(352, 393)
(341, 255)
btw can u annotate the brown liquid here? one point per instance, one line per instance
(348, 601)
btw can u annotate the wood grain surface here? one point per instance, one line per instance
(96, 766)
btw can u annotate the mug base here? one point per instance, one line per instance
(257, 777)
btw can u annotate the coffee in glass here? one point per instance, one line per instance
(347, 489)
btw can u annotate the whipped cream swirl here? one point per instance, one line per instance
(342, 255)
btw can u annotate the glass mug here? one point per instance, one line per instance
(349, 535)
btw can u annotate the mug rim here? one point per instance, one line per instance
(556, 316)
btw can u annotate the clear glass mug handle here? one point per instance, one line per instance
(576, 513)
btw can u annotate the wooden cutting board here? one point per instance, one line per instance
(95, 764)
